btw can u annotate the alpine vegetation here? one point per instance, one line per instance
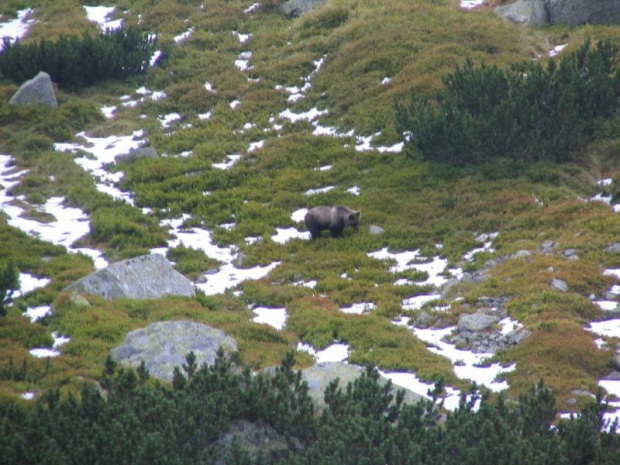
(531, 111)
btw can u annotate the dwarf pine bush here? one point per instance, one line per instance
(528, 112)
(74, 62)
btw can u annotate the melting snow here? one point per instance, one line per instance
(310, 115)
(298, 215)
(167, 120)
(243, 38)
(17, 28)
(488, 242)
(243, 62)
(28, 283)
(609, 328)
(256, 145)
(606, 305)
(275, 317)
(184, 36)
(466, 363)
(44, 352)
(36, 313)
(205, 116)
(334, 353)
(557, 50)
(417, 302)
(359, 308)
(252, 8)
(321, 190)
(108, 112)
(232, 159)
(413, 383)
(99, 15)
(470, 4)
(283, 235)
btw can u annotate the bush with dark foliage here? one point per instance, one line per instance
(139, 421)
(74, 62)
(531, 112)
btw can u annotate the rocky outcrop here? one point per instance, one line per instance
(144, 277)
(38, 90)
(480, 333)
(164, 345)
(569, 12)
(255, 439)
(320, 375)
(576, 12)
(530, 12)
(294, 8)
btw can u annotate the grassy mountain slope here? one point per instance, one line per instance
(413, 42)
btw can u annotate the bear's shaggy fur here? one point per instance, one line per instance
(333, 218)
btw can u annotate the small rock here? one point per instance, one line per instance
(521, 254)
(612, 248)
(78, 300)
(559, 285)
(548, 246)
(424, 320)
(374, 230)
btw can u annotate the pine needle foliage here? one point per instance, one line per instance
(76, 62)
(529, 112)
(9, 283)
(364, 423)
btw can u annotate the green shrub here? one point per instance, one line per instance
(74, 62)
(529, 112)
(8, 284)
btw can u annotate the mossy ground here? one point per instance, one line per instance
(418, 204)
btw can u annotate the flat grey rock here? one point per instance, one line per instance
(559, 285)
(144, 277)
(475, 321)
(320, 375)
(164, 345)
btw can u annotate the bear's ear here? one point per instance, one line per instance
(358, 214)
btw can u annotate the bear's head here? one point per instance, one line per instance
(354, 219)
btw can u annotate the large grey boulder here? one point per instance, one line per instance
(576, 12)
(320, 375)
(164, 345)
(478, 321)
(294, 8)
(255, 438)
(144, 277)
(529, 12)
(38, 90)
(570, 12)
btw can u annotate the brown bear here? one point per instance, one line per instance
(333, 218)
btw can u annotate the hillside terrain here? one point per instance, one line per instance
(254, 117)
